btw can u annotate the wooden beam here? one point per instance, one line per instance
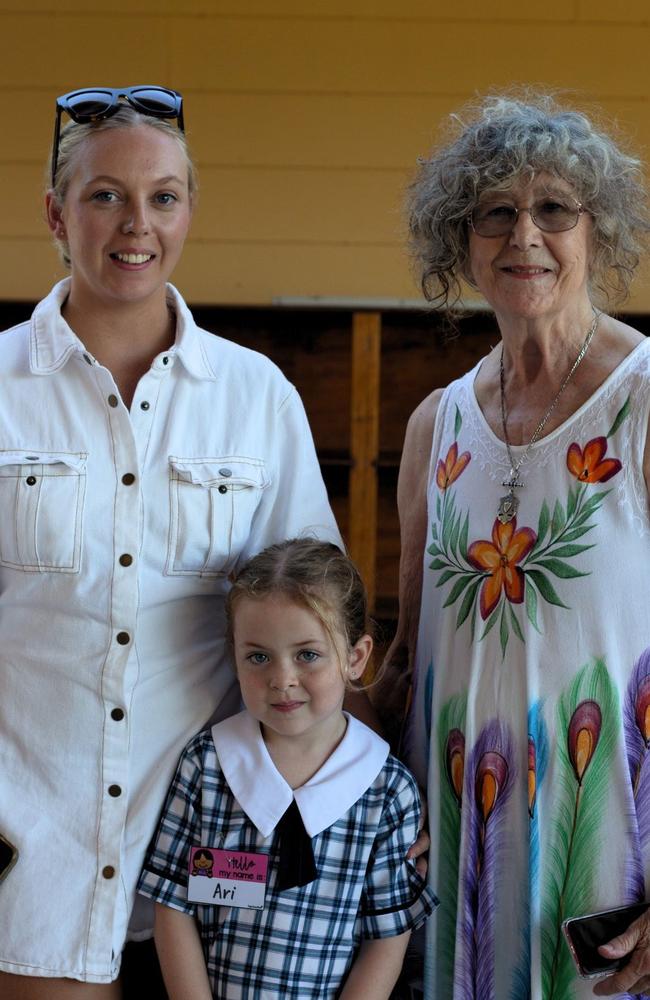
(364, 445)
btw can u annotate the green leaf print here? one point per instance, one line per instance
(545, 588)
(620, 417)
(457, 590)
(531, 606)
(514, 565)
(469, 602)
(458, 423)
(587, 727)
(561, 569)
(559, 519)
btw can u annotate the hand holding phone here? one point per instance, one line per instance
(584, 936)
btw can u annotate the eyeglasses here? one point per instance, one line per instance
(551, 215)
(94, 103)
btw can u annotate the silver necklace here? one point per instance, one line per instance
(509, 504)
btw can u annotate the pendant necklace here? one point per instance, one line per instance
(509, 504)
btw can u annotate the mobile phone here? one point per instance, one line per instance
(8, 856)
(585, 934)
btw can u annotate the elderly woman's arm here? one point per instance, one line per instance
(390, 694)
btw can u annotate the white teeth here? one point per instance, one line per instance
(133, 258)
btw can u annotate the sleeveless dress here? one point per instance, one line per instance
(530, 719)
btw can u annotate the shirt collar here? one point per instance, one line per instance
(52, 341)
(265, 796)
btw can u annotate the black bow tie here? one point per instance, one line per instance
(297, 865)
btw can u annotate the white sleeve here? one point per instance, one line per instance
(295, 503)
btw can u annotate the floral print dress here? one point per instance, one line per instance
(530, 719)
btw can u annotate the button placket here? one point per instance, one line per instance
(126, 540)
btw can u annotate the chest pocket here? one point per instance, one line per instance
(212, 503)
(41, 510)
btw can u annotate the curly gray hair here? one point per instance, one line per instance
(504, 139)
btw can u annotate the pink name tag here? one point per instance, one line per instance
(227, 878)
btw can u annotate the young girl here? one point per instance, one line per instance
(307, 817)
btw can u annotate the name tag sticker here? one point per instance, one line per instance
(227, 878)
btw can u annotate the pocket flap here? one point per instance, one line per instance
(229, 470)
(73, 461)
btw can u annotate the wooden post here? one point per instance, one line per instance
(364, 445)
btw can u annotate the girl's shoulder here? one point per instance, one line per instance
(398, 781)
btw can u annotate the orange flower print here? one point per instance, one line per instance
(499, 558)
(447, 472)
(589, 466)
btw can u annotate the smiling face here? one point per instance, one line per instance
(528, 273)
(289, 669)
(125, 215)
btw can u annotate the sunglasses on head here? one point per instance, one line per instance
(94, 103)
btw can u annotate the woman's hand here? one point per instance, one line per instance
(635, 976)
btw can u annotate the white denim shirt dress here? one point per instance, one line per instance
(118, 530)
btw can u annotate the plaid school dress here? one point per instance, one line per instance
(361, 811)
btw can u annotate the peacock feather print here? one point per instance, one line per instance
(489, 777)
(636, 725)
(451, 757)
(538, 752)
(587, 727)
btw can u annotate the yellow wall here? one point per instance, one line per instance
(306, 117)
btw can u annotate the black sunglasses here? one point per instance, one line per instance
(94, 103)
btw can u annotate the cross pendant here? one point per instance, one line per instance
(509, 504)
(513, 482)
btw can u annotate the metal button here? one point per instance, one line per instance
(223, 489)
(225, 473)
(126, 559)
(114, 791)
(88, 359)
(117, 714)
(123, 638)
(128, 478)
(31, 480)
(144, 405)
(112, 400)
(108, 871)
(165, 360)
(31, 458)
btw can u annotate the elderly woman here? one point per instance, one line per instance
(523, 500)
(141, 460)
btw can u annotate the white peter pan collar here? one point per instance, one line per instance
(265, 796)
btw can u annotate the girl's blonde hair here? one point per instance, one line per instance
(315, 575)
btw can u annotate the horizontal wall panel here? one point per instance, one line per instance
(374, 131)
(555, 10)
(632, 11)
(253, 55)
(69, 52)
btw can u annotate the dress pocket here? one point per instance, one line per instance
(212, 504)
(42, 500)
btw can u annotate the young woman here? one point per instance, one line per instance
(141, 461)
(308, 817)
